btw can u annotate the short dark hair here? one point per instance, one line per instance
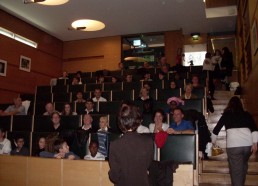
(161, 112)
(58, 144)
(19, 137)
(129, 118)
(3, 130)
(79, 91)
(89, 100)
(94, 142)
(178, 108)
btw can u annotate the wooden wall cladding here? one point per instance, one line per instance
(173, 41)
(92, 54)
(46, 60)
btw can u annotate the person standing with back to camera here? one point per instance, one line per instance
(242, 137)
(130, 156)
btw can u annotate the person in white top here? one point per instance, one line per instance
(97, 94)
(158, 125)
(94, 154)
(5, 144)
(142, 129)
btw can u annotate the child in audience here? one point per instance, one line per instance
(20, 149)
(94, 154)
(79, 96)
(60, 150)
(103, 135)
(104, 124)
(5, 144)
(41, 146)
(67, 110)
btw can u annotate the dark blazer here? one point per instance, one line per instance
(130, 158)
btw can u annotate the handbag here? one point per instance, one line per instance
(216, 150)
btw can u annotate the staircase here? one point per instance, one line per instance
(215, 172)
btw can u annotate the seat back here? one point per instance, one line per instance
(180, 148)
(5, 122)
(22, 123)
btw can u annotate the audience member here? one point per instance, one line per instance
(76, 81)
(49, 109)
(87, 124)
(104, 124)
(195, 81)
(114, 79)
(79, 96)
(89, 107)
(60, 151)
(64, 75)
(78, 74)
(188, 92)
(129, 78)
(40, 146)
(147, 77)
(159, 119)
(98, 97)
(217, 58)
(164, 69)
(163, 62)
(120, 66)
(146, 100)
(142, 129)
(161, 76)
(131, 155)
(20, 149)
(100, 79)
(5, 144)
(173, 103)
(180, 126)
(173, 85)
(56, 125)
(67, 111)
(16, 109)
(147, 86)
(94, 154)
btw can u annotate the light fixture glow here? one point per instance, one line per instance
(88, 25)
(195, 36)
(18, 37)
(46, 2)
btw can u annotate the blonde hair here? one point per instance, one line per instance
(105, 118)
(188, 85)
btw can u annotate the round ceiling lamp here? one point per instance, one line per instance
(53, 2)
(88, 25)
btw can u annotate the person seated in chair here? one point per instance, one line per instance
(180, 126)
(89, 107)
(98, 97)
(5, 144)
(16, 109)
(20, 150)
(56, 127)
(49, 109)
(87, 124)
(94, 154)
(79, 96)
(188, 92)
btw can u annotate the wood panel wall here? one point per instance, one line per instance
(173, 41)
(46, 60)
(250, 85)
(92, 54)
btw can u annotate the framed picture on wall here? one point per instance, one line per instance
(3, 67)
(25, 63)
(254, 37)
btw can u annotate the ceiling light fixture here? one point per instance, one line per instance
(46, 2)
(88, 25)
(195, 36)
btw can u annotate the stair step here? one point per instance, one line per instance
(219, 107)
(222, 167)
(220, 102)
(214, 118)
(218, 178)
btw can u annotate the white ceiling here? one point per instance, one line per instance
(121, 17)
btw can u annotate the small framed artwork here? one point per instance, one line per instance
(25, 63)
(254, 37)
(3, 67)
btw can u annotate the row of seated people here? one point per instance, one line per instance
(112, 83)
(116, 95)
(72, 138)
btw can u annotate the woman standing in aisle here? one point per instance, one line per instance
(242, 137)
